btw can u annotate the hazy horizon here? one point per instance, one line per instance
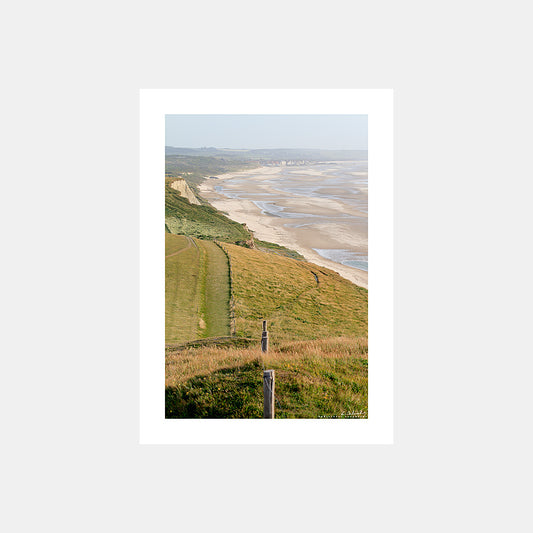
(241, 149)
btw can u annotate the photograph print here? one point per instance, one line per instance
(266, 266)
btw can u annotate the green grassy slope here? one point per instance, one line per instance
(196, 290)
(314, 379)
(200, 221)
(299, 300)
(272, 248)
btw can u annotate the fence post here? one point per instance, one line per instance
(264, 338)
(269, 382)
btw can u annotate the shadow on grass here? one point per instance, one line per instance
(219, 342)
(226, 393)
(306, 392)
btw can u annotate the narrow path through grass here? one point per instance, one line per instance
(197, 289)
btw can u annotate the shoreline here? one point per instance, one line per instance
(297, 237)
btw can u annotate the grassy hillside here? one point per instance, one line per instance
(197, 291)
(222, 378)
(325, 378)
(200, 221)
(206, 222)
(300, 300)
(216, 296)
(277, 249)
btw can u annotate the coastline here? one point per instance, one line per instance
(274, 228)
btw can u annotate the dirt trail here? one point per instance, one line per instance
(189, 242)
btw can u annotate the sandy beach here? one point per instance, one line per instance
(311, 208)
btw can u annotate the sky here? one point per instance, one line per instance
(327, 132)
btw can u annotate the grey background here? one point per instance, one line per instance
(69, 213)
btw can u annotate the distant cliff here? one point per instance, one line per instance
(182, 187)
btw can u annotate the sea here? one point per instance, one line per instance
(291, 195)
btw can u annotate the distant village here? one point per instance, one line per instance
(285, 163)
(278, 163)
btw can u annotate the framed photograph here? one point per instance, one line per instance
(266, 266)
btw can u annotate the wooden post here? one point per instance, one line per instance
(264, 338)
(269, 382)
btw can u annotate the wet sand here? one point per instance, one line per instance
(272, 202)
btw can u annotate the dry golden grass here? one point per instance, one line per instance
(184, 364)
(314, 379)
(300, 300)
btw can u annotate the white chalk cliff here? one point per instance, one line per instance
(185, 191)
